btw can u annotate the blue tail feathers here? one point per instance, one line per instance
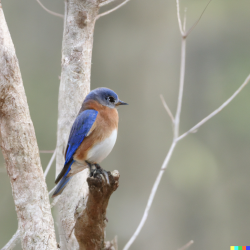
(62, 183)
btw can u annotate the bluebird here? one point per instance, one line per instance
(92, 136)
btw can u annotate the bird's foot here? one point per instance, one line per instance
(97, 166)
(96, 169)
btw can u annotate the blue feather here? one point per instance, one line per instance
(81, 127)
(61, 185)
(83, 123)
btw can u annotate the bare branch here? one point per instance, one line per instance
(187, 245)
(176, 122)
(194, 128)
(112, 10)
(181, 87)
(194, 25)
(77, 47)
(179, 17)
(151, 196)
(167, 108)
(103, 3)
(185, 20)
(49, 11)
(13, 241)
(50, 164)
(91, 216)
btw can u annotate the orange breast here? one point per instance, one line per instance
(106, 122)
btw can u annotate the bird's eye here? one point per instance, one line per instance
(111, 99)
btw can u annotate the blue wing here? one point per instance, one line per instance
(81, 127)
(79, 130)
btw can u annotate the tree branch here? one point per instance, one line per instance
(49, 11)
(215, 112)
(194, 25)
(151, 196)
(79, 21)
(13, 241)
(181, 87)
(50, 164)
(90, 223)
(20, 150)
(167, 108)
(103, 3)
(176, 122)
(112, 10)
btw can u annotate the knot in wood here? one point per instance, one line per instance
(81, 19)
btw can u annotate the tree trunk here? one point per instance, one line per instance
(77, 46)
(20, 150)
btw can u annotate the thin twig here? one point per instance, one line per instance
(106, 2)
(176, 131)
(194, 25)
(112, 10)
(182, 71)
(167, 108)
(49, 11)
(151, 197)
(50, 164)
(187, 245)
(181, 87)
(13, 241)
(194, 128)
(179, 17)
(185, 20)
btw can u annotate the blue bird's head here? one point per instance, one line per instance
(105, 96)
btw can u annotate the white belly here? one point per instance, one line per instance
(101, 150)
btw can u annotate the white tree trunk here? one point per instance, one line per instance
(20, 150)
(75, 85)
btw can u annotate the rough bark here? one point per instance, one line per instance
(77, 46)
(90, 218)
(20, 150)
(76, 67)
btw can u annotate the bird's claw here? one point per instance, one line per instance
(95, 170)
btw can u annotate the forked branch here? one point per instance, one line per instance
(215, 112)
(176, 121)
(112, 10)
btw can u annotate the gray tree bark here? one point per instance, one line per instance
(20, 150)
(77, 46)
(19, 146)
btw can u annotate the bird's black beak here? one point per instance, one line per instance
(121, 103)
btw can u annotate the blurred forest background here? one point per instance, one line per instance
(204, 194)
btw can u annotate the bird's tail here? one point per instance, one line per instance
(61, 185)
